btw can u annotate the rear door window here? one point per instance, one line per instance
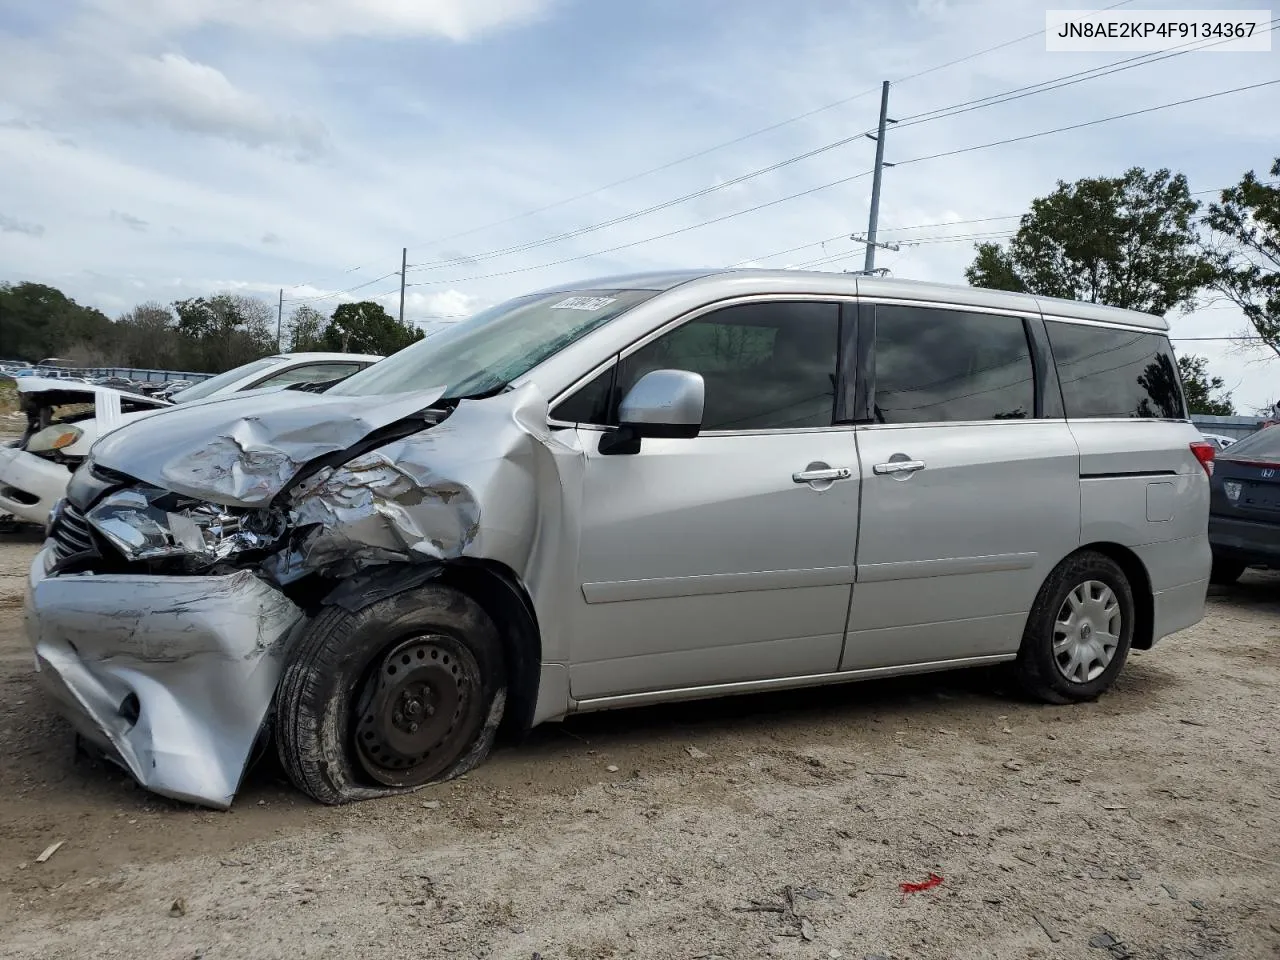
(1115, 373)
(934, 365)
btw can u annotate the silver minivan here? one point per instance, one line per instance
(640, 489)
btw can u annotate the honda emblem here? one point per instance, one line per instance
(1268, 474)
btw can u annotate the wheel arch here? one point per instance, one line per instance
(1139, 582)
(502, 595)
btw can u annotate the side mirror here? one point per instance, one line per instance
(662, 403)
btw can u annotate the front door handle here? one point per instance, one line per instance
(827, 473)
(898, 466)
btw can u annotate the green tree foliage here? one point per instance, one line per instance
(37, 321)
(225, 330)
(306, 329)
(1245, 252)
(1204, 393)
(365, 327)
(203, 334)
(1124, 241)
(147, 337)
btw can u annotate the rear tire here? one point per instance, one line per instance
(1225, 572)
(408, 691)
(1079, 631)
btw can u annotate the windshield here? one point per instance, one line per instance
(207, 387)
(486, 352)
(1263, 445)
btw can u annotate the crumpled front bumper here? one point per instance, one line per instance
(171, 676)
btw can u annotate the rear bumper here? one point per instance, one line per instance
(1179, 575)
(171, 676)
(1178, 608)
(1247, 541)
(30, 485)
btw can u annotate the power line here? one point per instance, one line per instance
(939, 223)
(340, 273)
(744, 137)
(571, 234)
(636, 243)
(1089, 123)
(940, 113)
(998, 46)
(1068, 80)
(338, 293)
(843, 180)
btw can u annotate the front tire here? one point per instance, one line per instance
(408, 691)
(1079, 632)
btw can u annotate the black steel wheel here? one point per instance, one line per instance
(414, 705)
(407, 691)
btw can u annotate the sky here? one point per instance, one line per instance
(163, 149)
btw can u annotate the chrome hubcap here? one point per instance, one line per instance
(1087, 632)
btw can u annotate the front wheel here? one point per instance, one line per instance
(1079, 631)
(407, 691)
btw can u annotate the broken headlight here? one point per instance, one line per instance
(151, 524)
(53, 438)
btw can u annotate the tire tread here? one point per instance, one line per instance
(307, 738)
(1032, 670)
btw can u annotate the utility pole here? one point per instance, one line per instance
(279, 318)
(870, 263)
(404, 263)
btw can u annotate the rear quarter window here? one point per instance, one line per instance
(1115, 373)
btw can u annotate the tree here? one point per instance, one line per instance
(1124, 241)
(148, 336)
(37, 321)
(365, 327)
(306, 329)
(1199, 388)
(225, 330)
(1246, 252)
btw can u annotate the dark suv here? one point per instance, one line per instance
(1244, 509)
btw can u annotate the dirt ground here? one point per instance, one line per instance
(1145, 825)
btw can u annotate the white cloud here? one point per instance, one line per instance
(457, 20)
(198, 98)
(450, 149)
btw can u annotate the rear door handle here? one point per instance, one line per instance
(898, 466)
(828, 473)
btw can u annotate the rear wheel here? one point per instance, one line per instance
(1079, 631)
(1225, 572)
(407, 691)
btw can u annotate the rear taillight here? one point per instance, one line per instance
(1204, 453)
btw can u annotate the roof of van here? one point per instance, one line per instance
(817, 281)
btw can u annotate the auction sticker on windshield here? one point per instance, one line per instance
(583, 303)
(1117, 31)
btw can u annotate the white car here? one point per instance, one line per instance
(1219, 442)
(35, 470)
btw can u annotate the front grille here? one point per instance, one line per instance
(71, 533)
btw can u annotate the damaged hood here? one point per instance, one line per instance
(243, 450)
